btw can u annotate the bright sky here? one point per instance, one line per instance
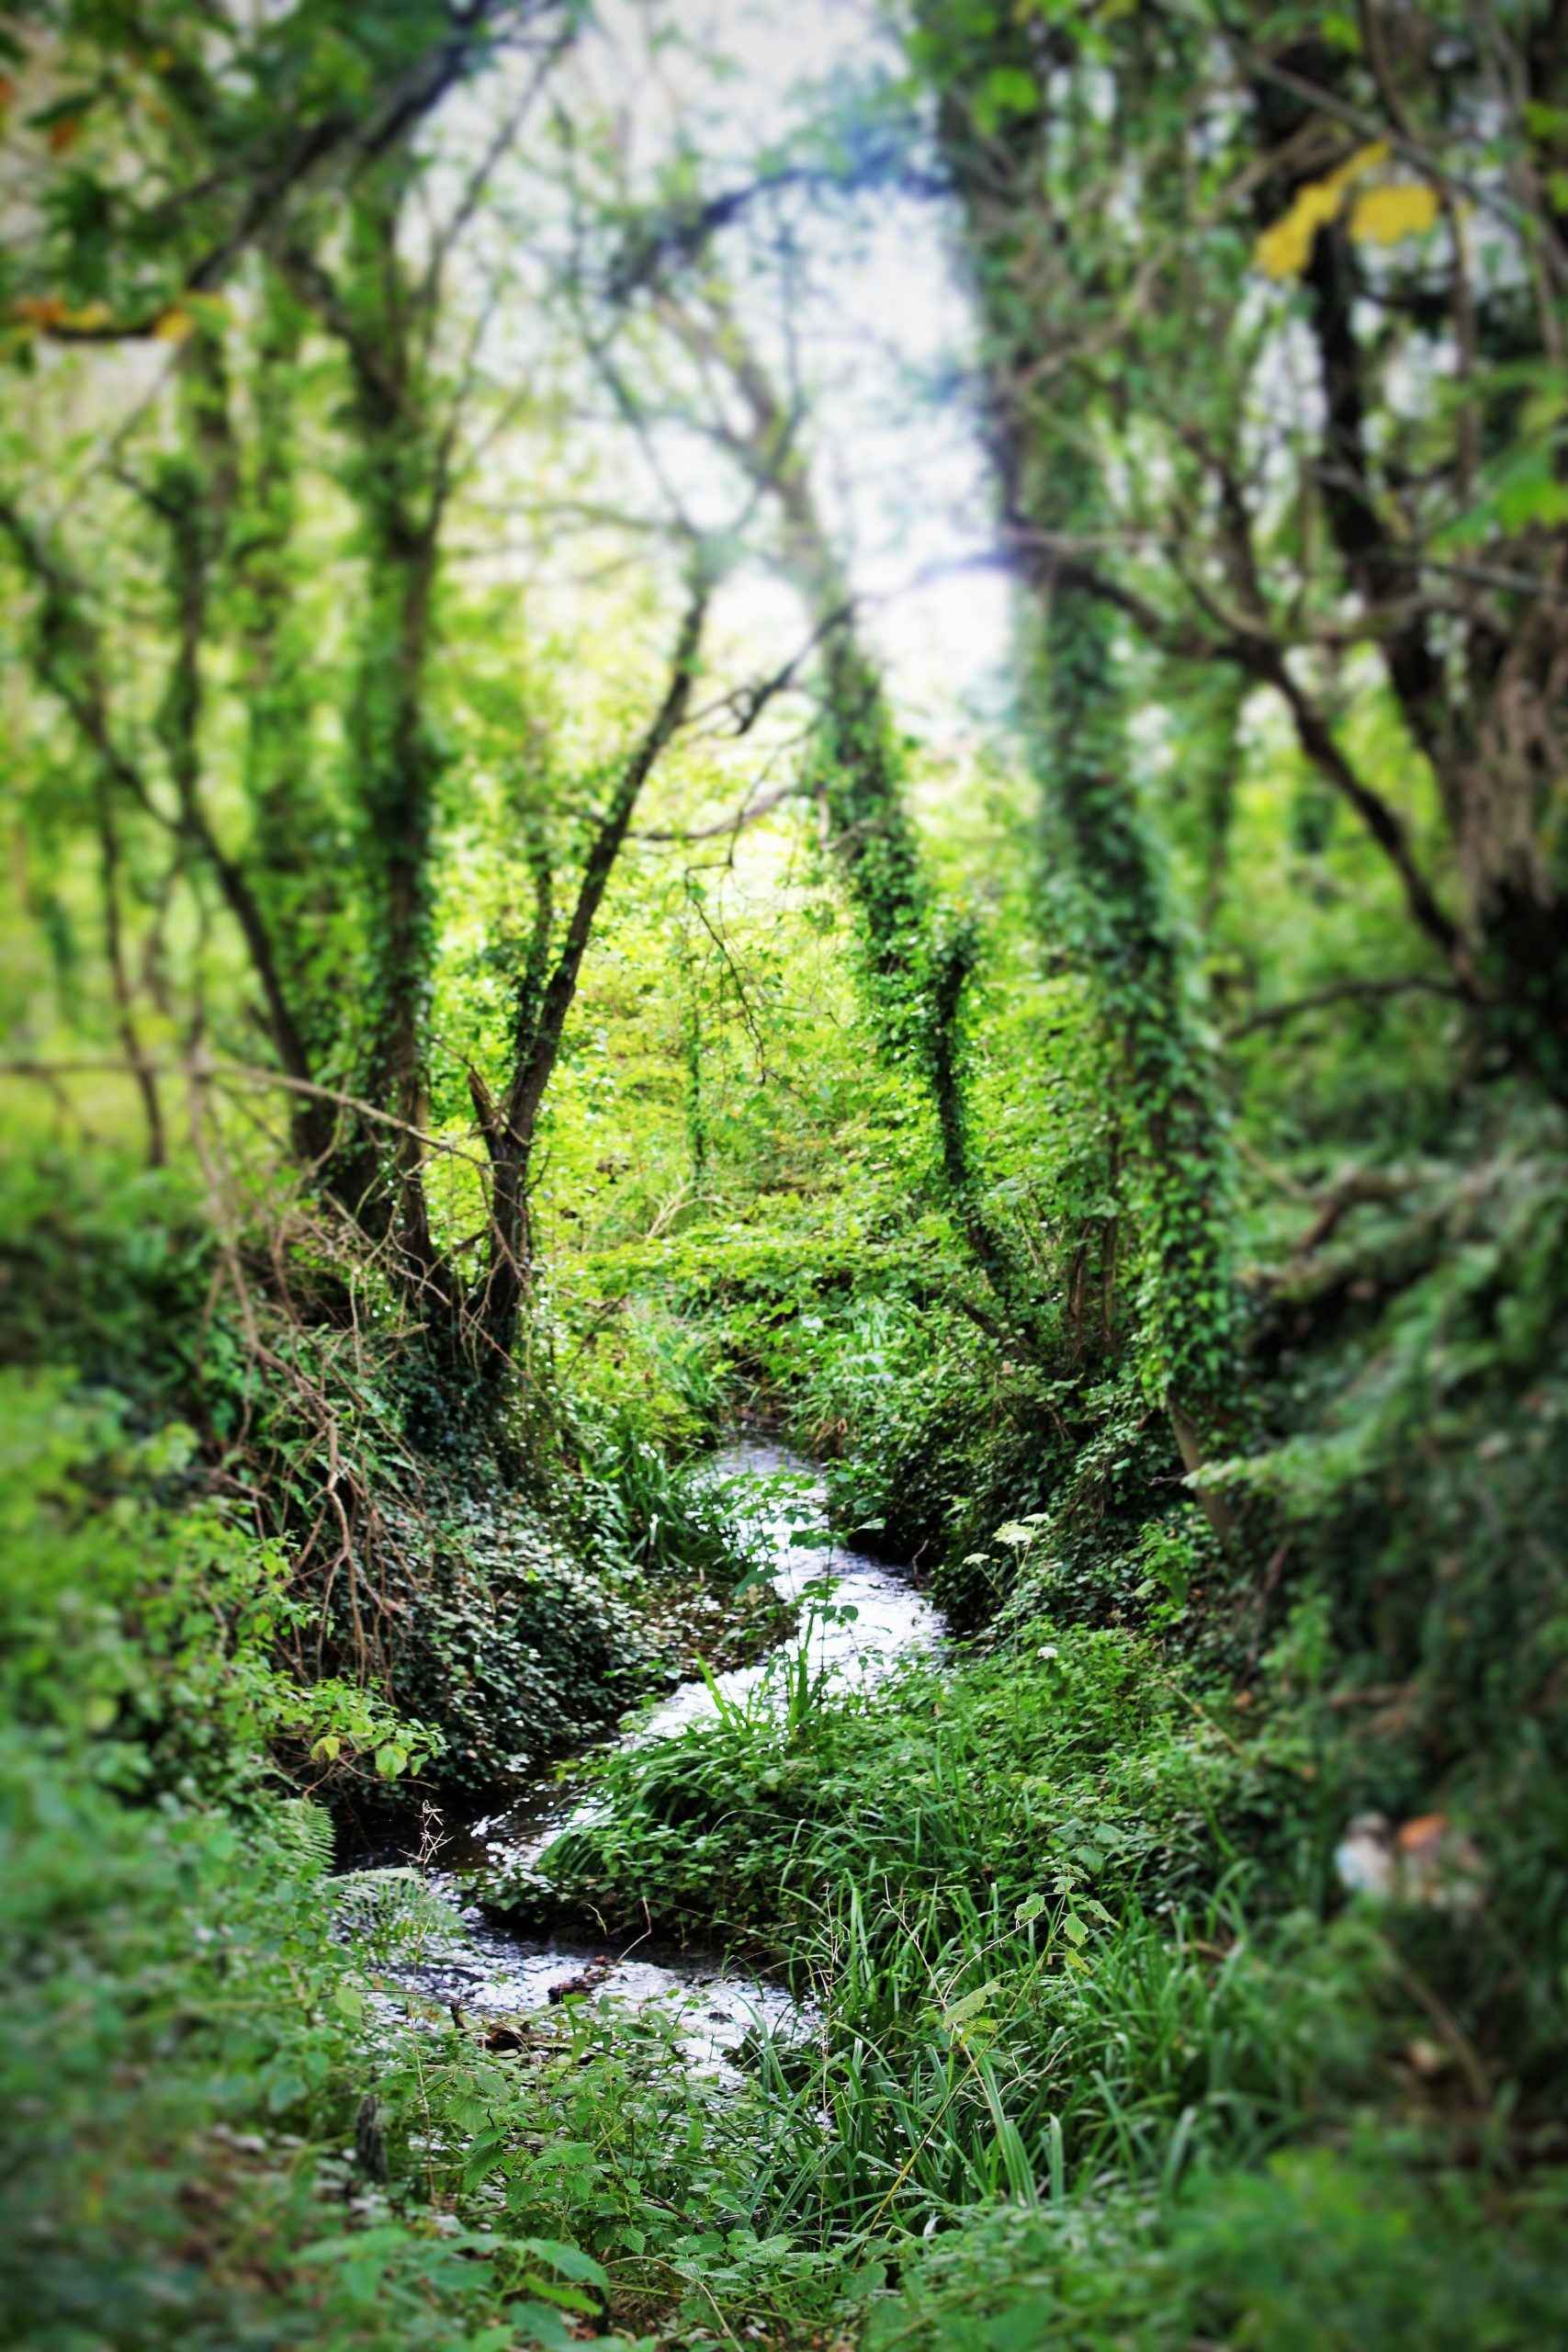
(884, 324)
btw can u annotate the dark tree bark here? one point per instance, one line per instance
(541, 1015)
(1021, 266)
(918, 965)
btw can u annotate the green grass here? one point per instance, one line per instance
(1081, 2060)
(1318, 2251)
(1009, 1892)
(1074, 2011)
(1076, 1763)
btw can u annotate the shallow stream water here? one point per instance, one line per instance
(495, 1972)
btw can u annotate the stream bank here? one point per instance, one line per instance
(493, 1972)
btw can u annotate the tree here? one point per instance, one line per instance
(1007, 150)
(918, 957)
(1394, 192)
(328, 883)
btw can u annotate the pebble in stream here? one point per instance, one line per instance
(494, 1974)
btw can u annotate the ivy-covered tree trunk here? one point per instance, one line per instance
(994, 148)
(1482, 705)
(1127, 935)
(296, 848)
(397, 476)
(917, 955)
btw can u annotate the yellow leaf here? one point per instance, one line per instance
(1385, 214)
(1285, 250)
(1364, 160)
(174, 326)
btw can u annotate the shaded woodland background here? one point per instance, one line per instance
(508, 980)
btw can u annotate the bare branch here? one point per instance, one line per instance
(1276, 1016)
(533, 1072)
(1386, 826)
(750, 812)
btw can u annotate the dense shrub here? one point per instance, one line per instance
(1074, 1762)
(1319, 2253)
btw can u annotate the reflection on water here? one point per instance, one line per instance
(495, 1972)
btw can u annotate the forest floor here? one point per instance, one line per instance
(1064, 2042)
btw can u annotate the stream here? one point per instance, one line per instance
(497, 1973)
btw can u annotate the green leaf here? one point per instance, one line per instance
(541, 2325)
(1009, 90)
(484, 2152)
(565, 2299)
(970, 2006)
(569, 2260)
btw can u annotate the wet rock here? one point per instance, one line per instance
(588, 1980)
